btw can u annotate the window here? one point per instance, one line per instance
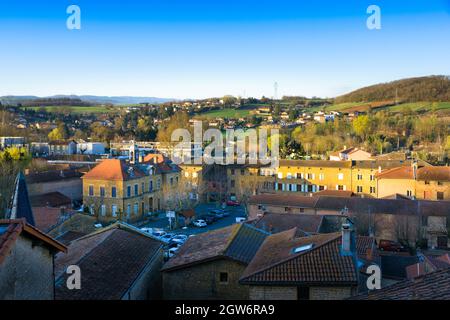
(340, 176)
(310, 176)
(359, 189)
(113, 192)
(440, 195)
(102, 191)
(280, 175)
(242, 172)
(91, 191)
(321, 188)
(440, 183)
(372, 177)
(171, 181)
(409, 193)
(143, 187)
(232, 183)
(359, 176)
(136, 189)
(128, 191)
(158, 184)
(223, 277)
(103, 210)
(340, 187)
(302, 210)
(114, 210)
(372, 189)
(232, 172)
(136, 208)
(128, 210)
(150, 186)
(427, 182)
(321, 176)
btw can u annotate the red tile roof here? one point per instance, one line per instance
(431, 286)
(396, 173)
(111, 260)
(11, 229)
(114, 169)
(434, 173)
(238, 242)
(276, 263)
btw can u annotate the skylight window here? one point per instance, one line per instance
(304, 248)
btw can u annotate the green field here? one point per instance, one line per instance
(78, 109)
(224, 113)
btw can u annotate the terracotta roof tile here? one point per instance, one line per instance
(114, 169)
(110, 260)
(431, 286)
(276, 263)
(239, 242)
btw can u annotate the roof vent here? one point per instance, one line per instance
(303, 248)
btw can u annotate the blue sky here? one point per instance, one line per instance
(196, 49)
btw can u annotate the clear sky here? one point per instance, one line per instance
(196, 48)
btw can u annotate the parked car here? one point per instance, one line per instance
(200, 223)
(167, 237)
(388, 245)
(158, 233)
(171, 252)
(232, 203)
(180, 237)
(210, 218)
(217, 213)
(148, 230)
(240, 219)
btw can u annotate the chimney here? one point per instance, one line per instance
(348, 239)
(414, 167)
(379, 169)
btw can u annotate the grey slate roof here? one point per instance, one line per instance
(21, 207)
(238, 242)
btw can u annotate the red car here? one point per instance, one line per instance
(232, 203)
(388, 245)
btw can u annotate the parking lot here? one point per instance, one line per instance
(162, 221)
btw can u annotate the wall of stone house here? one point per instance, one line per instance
(430, 190)
(72, 188)
(27, 273)
(272, 293)
(331, 293)
(149, 284)
(202, 282)
(254, 210)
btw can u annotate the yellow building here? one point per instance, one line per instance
(118, 190)
(306, 177)
(426, 182)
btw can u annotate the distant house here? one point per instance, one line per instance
(317, 267)
(428, 264)
(209, 265)
(350, 154)
(421, 182)
(66, 182)
(90, 148)
(62, 147)
(8, 142)
(26, 261)
(118, 263)
(393, 219)
(39, 149)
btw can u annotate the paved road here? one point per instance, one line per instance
(163, 222)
